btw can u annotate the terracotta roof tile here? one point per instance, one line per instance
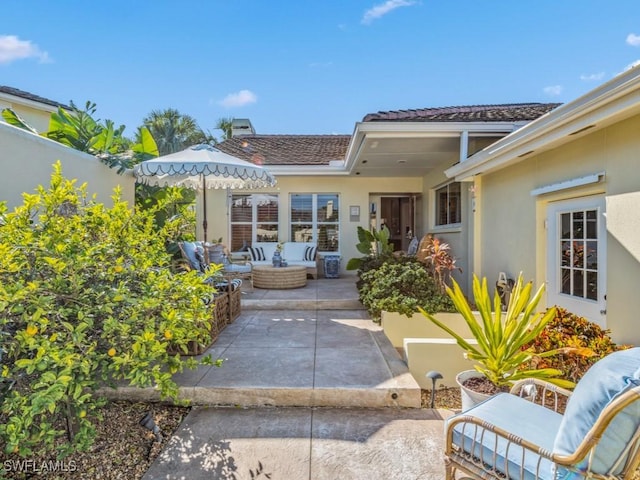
(30, 96)
(287, 149)
(471, 113)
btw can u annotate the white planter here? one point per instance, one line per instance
(469, 397)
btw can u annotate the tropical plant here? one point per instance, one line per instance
(502, 340)
(174, 131)
(371, 243)
(400, 285)
(226, 126)
(86, 300)
(79, 130)
(435, 255)
(567, 329)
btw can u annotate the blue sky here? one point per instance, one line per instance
(311, 67)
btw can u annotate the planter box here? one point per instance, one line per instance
(424, 346)
(398, 327)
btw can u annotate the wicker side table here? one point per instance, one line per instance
(276, 278)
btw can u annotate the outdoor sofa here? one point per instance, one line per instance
(294, 253)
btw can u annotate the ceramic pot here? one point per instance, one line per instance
(469, 397)
(277, 259)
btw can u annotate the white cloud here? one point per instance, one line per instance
(553, 90)
(592, 77)
(633, 40)
(382, 9)
(239, 99)
(12, 48)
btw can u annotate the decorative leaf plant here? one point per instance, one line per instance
(504, 337)
(371, 243)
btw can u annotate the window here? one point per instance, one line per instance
(448, 204)
(576, 256)
(579, 247)
(316, 217)
(254, 218)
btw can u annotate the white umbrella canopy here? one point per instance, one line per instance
(203, 167)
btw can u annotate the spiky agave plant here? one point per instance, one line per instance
(503, 336)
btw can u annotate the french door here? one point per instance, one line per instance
(576, 257)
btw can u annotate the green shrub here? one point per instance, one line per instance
(86, 300)
(400, 285)
(567, 329)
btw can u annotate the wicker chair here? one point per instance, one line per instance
(522, 435)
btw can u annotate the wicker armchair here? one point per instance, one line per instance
(523, 435)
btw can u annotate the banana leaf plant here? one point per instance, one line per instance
(503, 336)
(372, 243)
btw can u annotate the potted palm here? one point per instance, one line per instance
(502, 339)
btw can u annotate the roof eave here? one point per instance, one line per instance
(399, 129)
(30, 103)
(613, 101)
(306, 170)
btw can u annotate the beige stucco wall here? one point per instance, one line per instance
(353, 191)
(37, 118)
(510, 222)
(458, 238)
(26, 160)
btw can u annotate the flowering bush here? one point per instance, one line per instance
(86, 299)
(567, 329)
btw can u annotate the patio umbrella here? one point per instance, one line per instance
(202, 167)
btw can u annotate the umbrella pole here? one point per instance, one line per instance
(204, 208)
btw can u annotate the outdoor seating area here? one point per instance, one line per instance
(598, 436)
(226, 300)
(294, 253)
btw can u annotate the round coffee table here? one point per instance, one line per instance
(276, 278)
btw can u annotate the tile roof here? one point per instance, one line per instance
(287, 149)
(30, 96)
(472, 113)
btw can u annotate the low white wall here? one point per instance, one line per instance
(440, 354)
(425, 346)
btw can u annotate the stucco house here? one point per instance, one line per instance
(26, 158)
(559, 199)
(390, 170)
(550, 190)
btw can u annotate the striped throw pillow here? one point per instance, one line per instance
(257, 254)
(310, 254)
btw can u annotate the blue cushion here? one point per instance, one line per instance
(521, 418)
(237, 268)
(603, 382)
(190, 250)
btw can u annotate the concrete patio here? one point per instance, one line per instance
(310, 388)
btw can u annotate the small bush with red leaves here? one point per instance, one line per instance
(567, 329)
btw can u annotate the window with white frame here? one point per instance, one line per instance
(254, 218)
(315, 217)
(448, 204)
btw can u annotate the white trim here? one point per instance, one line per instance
(574, 182)
(612, 102)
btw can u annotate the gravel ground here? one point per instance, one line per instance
(122, 449)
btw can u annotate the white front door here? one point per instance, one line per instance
(576, 257)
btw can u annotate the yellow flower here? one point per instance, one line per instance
(111, 352)
(118, 268)
(32, 330)
(83, 414)
(168, 334)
